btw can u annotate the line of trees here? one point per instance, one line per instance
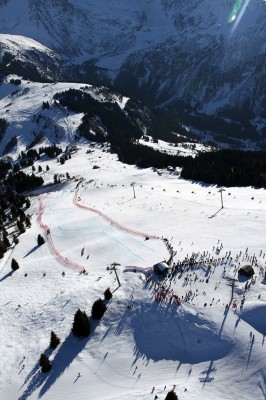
(12, 214)
(228, 168)
(22, 182)
(222, 167)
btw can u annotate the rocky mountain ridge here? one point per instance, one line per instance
(171, 53)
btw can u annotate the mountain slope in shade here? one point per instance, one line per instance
(162, 51)
(28, 58)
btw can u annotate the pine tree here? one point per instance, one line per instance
(108, 294)
(14, 264)
(27, 203)
(40, 240)
(47, 168)
(20, 226)
(45, 363)
(54, 341)
(3, 248)
(171, 396)
(98, 309)
(40, 168)
(27, 222)
(6, 241)
(81, 325)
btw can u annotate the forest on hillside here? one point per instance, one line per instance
(221, 167)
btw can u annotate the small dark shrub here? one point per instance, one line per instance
(45, 363)
(81, 325)
(14, 264)
(54, 341)
(108, 294)
(98, 309)
(40, 240)
(171, 396)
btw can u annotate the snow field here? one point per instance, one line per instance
(206, 350)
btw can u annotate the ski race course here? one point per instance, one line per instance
(200, 329)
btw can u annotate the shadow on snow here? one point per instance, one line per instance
(164, 333)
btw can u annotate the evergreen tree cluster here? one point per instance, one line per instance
(223, 167)
(30, 154)
(10, 145)
(5, 243)
(12, 210)
(27, 158)
(3, 127)
(99, 116)
(45, 105)
(81, 325)
(44, 361)
(5, 166)
(50, 151)
(228, 168)
(22, 182)
(144, 156)
(120, 124)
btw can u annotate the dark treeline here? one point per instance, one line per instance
(3, 127)
(50, 151)
(107, 116)
(5, 166)
(144, 156)
(224, 167)
(27, 158)
(21, 182)
(99, 116)
(13, 220)
(231, 123)
(228, 168)
(10, 145)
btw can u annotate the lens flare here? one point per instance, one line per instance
(233, 14)
(237, 13)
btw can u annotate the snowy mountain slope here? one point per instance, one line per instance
(199, 347)
(163, 50)
(26, 57)
(35, 112)
(21, 107)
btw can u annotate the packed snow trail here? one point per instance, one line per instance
(51, 243)
(113, 222)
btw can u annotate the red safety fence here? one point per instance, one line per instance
(113, 222)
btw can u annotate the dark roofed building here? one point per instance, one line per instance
(161, 268)
(246, 270)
